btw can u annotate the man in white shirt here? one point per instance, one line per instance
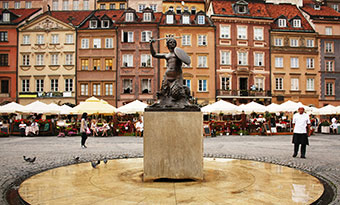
(301, 131)
(139, 128)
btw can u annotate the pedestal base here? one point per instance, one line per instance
(173, 145)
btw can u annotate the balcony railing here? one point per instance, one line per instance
(245, 93)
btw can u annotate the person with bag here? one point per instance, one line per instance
(83, 129)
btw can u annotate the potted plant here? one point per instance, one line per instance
(325, 127)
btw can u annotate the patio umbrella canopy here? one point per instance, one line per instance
(93, 106)
(54, 108)
(11, 107)
(328, 110)
(273, 108)
(252, 107)
(220, 106)
(290, 106)
(133, 107)
(35, 107)
(65, 110)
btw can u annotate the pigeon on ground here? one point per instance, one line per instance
(94, 164)
(76, 159)
(29, 159)
(105, 161)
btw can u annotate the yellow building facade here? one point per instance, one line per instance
(46, 61)
(191, 6)
(111, 5)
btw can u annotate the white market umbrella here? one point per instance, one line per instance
(133, 107)
(35, 107)
(252, 107)
(65, 110)
(273, 108)
(93, 105)
(337, 109)
(220, 106)
(313, 111)
(328, 110)
(290, 106)
(54, 108)
(11, 107)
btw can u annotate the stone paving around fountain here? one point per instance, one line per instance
(323, 154)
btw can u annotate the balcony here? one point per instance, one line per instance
(243, 94)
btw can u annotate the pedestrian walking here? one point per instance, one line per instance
(301, 131)
(83, 129)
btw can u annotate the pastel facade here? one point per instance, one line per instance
(178, 6)
(197, 39)
(29, 4)
(155, 5)
(71, 5)
(111, 4)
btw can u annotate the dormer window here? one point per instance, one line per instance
(242, 9)
(105, 23)
(201, 19)
(185, 19)
(93, 24)
(282, 23)
(296, 23)
(147, 17)
(193, 10)
(169, 19)
(129, 17)
(178, 10)
(5, 17)
(171, 8)
(317, 7)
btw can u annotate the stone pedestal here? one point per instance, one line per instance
(173, 145)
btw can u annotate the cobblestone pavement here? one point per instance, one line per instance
(323, 154)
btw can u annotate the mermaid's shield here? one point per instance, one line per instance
(182, 55)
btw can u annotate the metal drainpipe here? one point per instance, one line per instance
(16, 68)
(270, 66)
(116, 30)
(215, 63)
(76, 72)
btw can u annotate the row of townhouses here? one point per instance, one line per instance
(241, 51)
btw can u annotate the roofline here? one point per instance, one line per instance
(319, 15)
(252, 17)
(24, 19)
(299, 31)
(83, 22)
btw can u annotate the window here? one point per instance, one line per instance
(69, 38)
(26, 39)
(147, 17)
(258, 34)
(310, 84)
(113, 6)
(294, 62)
(93, 24)
(55, 38)
(202, 85)
(127, 86)
(3, 36)
(96, 64)
(259, 83)
(294, 84)
(169, 19)
(329, 88)
(202, 62)
(5, 86)
(225, 58)
(69, 85)
(310, 43)
(75, 4)
(55, 5)
(96, 89)
(186, 40)
(127, 37)
(278, 42)
(225, 83)
(85, 43)
(86, 5)
(141, 7)
(26, 59)
(84, 89)
(282, 23)
(6, 17)
(329, 31)
(178, 10)
(121, 6)
(279, 62)
(187, 83)
(202, 40)
(186, 19)
(294, 42)
(193, 10)
(28, 5)
(129, 17)
(146, 86)
(317, 7)
(65, 5)
(40, 39)
(278, 83)
(258, 59)
(146, 36)
(241, 32)
(54, 85)
(201, 19)
(146, 60)
(335, 7)
(329, 65)
(127, 60)
(225, 32)
(310, 63)
(108, 64)
(102, 6)
(108, 89)
(97, 43)
(153, 7)
(241, 9)
(39, 85)
(296, 23)
(39, 59)
(84, 64)
(25, 83)
(108, 42)
(105, 23)
(69, 59)
(329, 47)
(242, 58)
(54, 59)
(17, 5)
